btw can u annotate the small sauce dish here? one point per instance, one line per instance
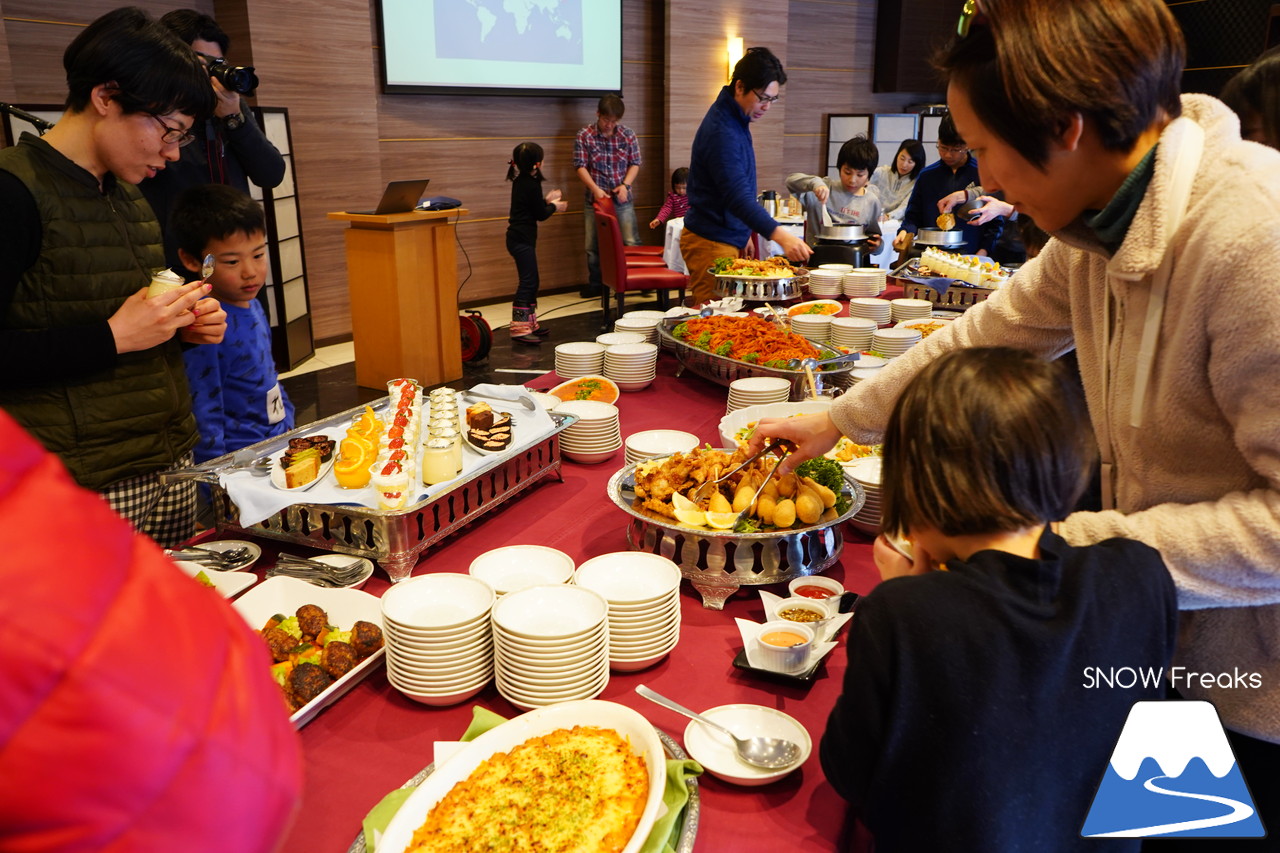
(784, 646)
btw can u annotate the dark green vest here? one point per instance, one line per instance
(97, 248)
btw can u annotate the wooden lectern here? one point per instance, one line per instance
(403, 280)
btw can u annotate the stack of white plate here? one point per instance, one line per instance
(825, 282)
(756, 391)
(611, 338)
(658, 442)
(439, 643)
(815, 327)
(894, 342)
(595, 436)
(840, 268)
(867, 472)
(911, 309)
(646, 315)
(631, 366)
(643, 592)
(860, 373)
(869, 307)
(852, 332)
(647, 326)
(551, 645)
(864, 282)
(515, 567)
(579, 358)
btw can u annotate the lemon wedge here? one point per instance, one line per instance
(692, 517)
(721, 520)
(680, 502)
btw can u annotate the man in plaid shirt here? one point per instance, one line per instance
(607, 157)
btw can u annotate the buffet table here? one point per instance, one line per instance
(374, 739)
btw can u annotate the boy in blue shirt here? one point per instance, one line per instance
(235, 392)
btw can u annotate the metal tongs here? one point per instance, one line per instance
(779, 444)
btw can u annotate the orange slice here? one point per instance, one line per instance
(352, 473)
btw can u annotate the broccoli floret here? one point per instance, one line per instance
(721, 264)
(290, 626)
(703, 341)
(680, 330)
(725, 348)
(776, 362)
(751, 357)
(826, 472)
(339, 636)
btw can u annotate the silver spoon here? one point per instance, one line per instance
(206, 269)
(771, 753)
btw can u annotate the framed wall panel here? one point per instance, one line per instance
(840, 129)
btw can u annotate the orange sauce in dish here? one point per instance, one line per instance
(814, 591)
(782, 639)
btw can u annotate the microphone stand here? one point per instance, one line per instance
(40, 124)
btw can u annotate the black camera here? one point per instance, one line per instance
(237, 78)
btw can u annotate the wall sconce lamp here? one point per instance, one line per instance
(735, 51)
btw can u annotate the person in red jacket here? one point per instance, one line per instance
(137, 712)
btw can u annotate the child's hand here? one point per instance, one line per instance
(900, 241)
(654, 224)
(561, 205)
(822, 192)
(210, 325)
(949, 201)
(893, 563)
(874, 242)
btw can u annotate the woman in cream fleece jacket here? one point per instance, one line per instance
(1167, 230)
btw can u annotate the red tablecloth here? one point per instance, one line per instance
(374, 739)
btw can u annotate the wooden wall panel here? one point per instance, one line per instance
(7, 92)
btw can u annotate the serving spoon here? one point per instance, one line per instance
(771, 753)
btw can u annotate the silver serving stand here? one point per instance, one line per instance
(755, 288)
(723, 370)
(718, 563)
(692, 808)
(394, 538)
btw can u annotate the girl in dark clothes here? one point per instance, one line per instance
(528, 207)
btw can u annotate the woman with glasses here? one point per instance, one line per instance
(95, 369)
(723, 211)
(955, 169)
(1162, 221)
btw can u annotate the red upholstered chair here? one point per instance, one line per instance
(634, 253)
(622, 277)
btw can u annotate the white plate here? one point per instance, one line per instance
(228, 584)
(277, 474)
(739, 418)
(799, 310)
(344, 608)
(366, 570)
(466, 439)
(515, 567)
(512, 733)
(716, 753)
(223, 545)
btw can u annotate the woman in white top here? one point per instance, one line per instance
(895, 180)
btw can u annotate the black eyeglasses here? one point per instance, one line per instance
(970, 14)
(952, 149)
(174, 134)
(763, 98)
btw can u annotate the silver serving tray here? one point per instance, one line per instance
(718, 562)
(692, 809)
(938, 237)
(755, 288)
(723, 370)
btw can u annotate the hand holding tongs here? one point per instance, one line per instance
(779, 444)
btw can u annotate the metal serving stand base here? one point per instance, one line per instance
(396, 538)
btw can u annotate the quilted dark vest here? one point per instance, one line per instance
(98, 248)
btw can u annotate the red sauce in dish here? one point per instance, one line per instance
(813, 592)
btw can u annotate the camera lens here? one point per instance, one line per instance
(237, 78)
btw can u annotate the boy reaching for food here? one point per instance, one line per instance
(846, 200)
(235, 390)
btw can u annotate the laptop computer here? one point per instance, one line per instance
(398, 197)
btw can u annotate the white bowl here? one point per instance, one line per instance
(661, 442)
(454, 696)
(716, 753)
(580, 348)
(636, 665)
(540, 652)
(590, 458)
(442, 600)
(444, 641)
(629, 577)
(739, 418)
(548, 612)
(638, 385)
(430, 679)
(615, 338)
(568, 693)
(778, 658)
(515, 567)
(830, 584)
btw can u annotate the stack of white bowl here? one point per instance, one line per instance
(756, 391)
(871, 308)
(852, 332)
(864, 282)
(551, 645)
(515, 567)
(643, 592)
(894, 342)
(646, 315)
(823, 282)
(649, 443)
(611, 338)
(867, 472)
(840, 268)
(647, 326)
(438, 639)
(815, 327)
(860, 373)
(579, 358)
(595, 436)
(911, 309)
(631, 366)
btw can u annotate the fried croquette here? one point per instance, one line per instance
(280, 643)
(366, 637)
(311, 620)
(339, 658)
(306, 682)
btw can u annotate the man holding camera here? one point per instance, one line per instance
(229, 147)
